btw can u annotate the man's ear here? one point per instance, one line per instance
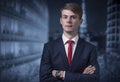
(60, 20)
(81, 20)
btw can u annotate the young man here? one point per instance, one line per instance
(69, 58)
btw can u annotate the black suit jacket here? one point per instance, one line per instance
(54, 58)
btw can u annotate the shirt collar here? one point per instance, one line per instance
(65, 39)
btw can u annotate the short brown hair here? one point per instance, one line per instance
(74, 7)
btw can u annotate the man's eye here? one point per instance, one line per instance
(64, 17)
(74, 17)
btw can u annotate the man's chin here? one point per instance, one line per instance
(69, 31)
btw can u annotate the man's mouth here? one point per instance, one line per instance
(68, 25)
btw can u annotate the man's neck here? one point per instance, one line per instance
(70, 35)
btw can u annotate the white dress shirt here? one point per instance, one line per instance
(65, 39)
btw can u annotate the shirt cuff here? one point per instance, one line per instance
(63, 75)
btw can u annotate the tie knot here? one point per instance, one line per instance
(70, 41)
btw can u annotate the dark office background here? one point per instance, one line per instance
(25, 25)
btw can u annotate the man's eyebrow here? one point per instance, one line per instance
(68, 15)
(65, 15)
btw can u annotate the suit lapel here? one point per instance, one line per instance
(78, 52)
(63, 53)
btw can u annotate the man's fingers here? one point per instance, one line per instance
(89, 70)
(86, 69)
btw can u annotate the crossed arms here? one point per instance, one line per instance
(61, 74)
(48, 74)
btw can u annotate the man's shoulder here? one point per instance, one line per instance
(88, 44)
(53, 42)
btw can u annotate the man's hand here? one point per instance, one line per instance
(54, 73)
(89, 70)
(60, 73)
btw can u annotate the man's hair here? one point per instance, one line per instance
(74, 7)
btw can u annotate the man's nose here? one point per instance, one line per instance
(69, 20)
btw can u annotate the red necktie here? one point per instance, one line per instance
(70, 51)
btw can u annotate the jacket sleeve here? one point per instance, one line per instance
(45, 66)
(78, 77)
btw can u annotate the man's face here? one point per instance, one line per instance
(70, 21)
